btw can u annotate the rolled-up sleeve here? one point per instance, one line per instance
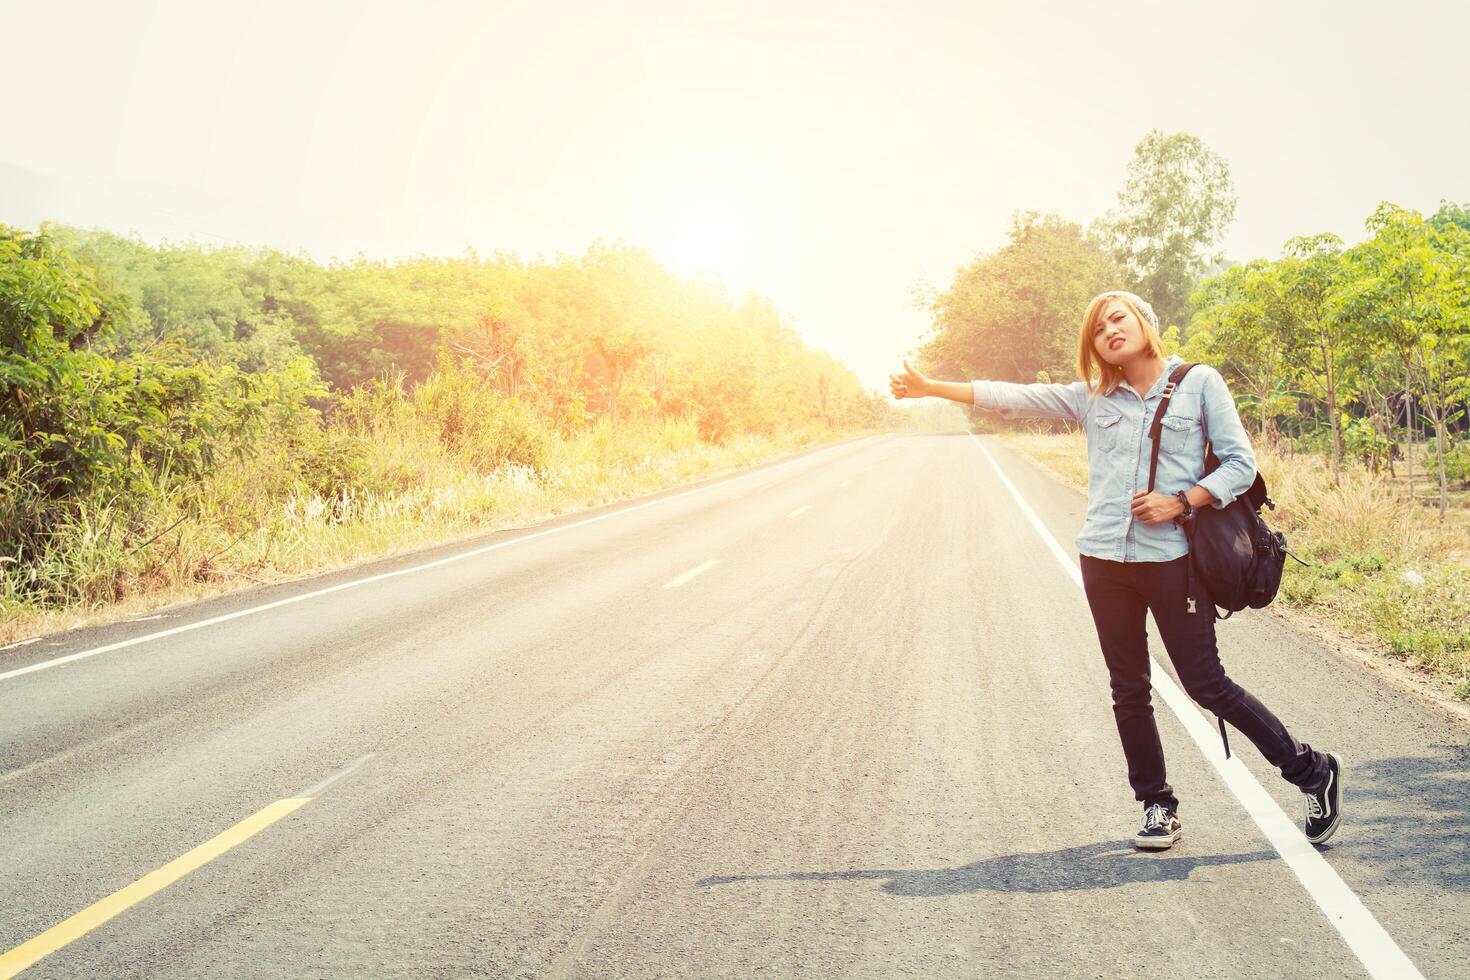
(1237, 469)
(1051, 401)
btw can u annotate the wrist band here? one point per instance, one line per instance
(1188, 507)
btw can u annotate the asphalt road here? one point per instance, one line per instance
(872, 738)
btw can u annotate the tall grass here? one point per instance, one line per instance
(395, 470)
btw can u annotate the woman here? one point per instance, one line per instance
(1134, 552)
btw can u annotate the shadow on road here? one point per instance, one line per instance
(1408, 817)
(1084, 868)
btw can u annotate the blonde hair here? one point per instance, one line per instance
(1102, 377)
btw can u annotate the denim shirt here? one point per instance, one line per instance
(1118, 449)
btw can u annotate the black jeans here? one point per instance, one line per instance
(1119, 594)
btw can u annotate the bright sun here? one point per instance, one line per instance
(705, 219)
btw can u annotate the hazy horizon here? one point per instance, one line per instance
(833, 158)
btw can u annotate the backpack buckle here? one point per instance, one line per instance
(1168, 388)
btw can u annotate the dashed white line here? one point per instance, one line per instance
(1368, 940)
(674, 583)
(800, 510)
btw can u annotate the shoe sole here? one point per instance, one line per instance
(1158, 843)
(1323, 837)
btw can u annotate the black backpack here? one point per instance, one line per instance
(1239, 558)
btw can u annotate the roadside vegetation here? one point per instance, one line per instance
(180, 420)
(1350, 366)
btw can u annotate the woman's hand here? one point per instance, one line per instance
(909, 384)
(1152, 507)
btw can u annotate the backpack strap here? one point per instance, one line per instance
(1154, 432)
(1158, 424)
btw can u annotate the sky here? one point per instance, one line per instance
(844, 159)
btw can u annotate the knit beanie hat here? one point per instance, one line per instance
(1138, 301)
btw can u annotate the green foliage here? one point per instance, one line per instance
(1456, 462)
(84, 432)
(1018, 311)
(334, 464)
(476, 422)
(148, 394)
(1172, 214)
(1451, 215)
(1363, 441)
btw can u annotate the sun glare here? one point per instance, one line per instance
(707, 220)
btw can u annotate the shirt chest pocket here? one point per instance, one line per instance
(1107, 429)
(1181, 435)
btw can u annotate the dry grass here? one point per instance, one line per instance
(1064, 454)
(235, 531)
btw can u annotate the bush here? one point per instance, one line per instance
(334, 463)
(477, 423)
(1456, 462)
(1362, 441)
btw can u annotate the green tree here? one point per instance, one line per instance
(77, 425)
(1016, 312)
(1413, 288)
(1321, 335)
(1234, 330)
(1172, 215)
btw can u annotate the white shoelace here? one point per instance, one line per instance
(1155, 816)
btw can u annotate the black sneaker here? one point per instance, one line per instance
(1161, 828)
(1324, 807)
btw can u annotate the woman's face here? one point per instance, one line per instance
(1118, 335)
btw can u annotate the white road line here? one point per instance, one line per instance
(845, 483)
(1368, 940)
(800, 510)
(674, 583)
(314, 790)
(134, 641)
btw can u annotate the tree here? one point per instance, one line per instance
(1451, 214)
(1233, 329)
(1172, 214)
(619, 351)
(1413, 290)
(1320, 332)
(1017, 312)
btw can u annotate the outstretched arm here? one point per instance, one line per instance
(913, 384)
(1055, 401)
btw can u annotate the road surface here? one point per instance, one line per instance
(843, 715)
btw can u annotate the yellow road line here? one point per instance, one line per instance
(28, 952)
(676, 582)
(802, 509)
